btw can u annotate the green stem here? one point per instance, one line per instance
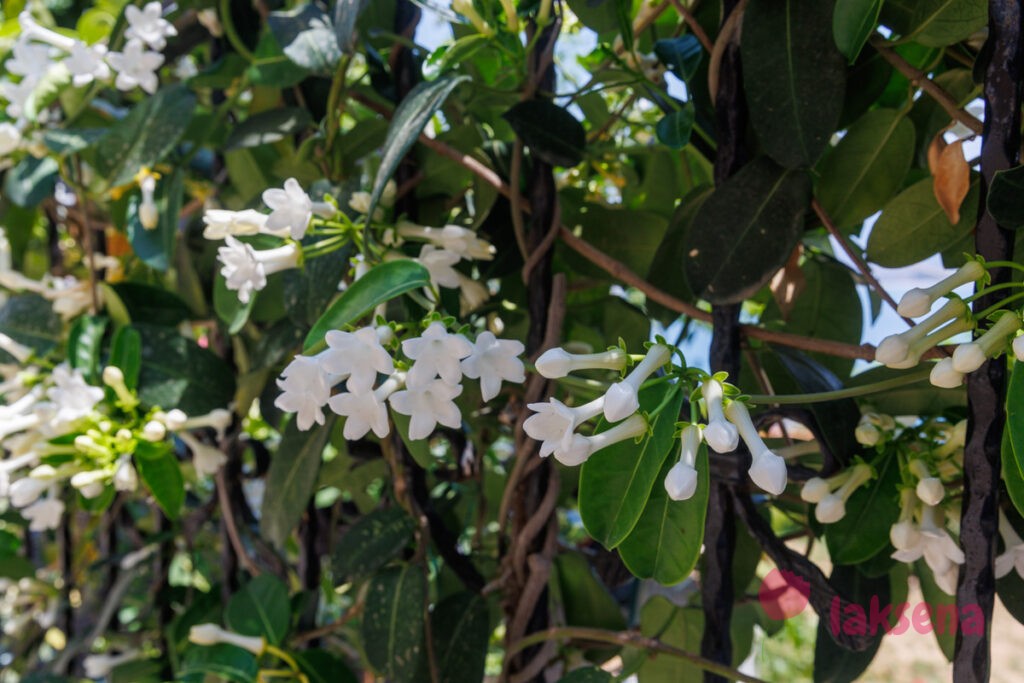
(994, 288)
(995, 307)
(1004, 264)
(849, 392)
(232, 33)
(665, 401)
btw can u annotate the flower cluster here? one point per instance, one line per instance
(37, 50)
(926, 537)
(423, 387)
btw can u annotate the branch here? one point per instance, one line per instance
(695, 27)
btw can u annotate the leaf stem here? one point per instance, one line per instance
(848, 392)
(996, 306)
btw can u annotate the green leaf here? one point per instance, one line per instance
(229, 309)
(260, 608)
(552, 133)
(151, 305)
(272, 67)
(832, 662)
(867, 167)
(321, 666)
(308, 290)
(1013, 437)
(665, 543)
(15, 567)
(936, 599)
(268, 127)
(1006, 198)
(411, 116)
(870, 512)
(393, 622)
(346, 13)
(674, 129)
(292, 479)
(664, 269)
(853, 22)
(680, 55)
(162, 476)
(84, 342)
(937, 23)
(126, 354)
(383, 283)
(793, 78)
(913, 226)
(145, 136)
(30, 181)
(616, 482)
(585, 600)
(587, 675)
(373, 541)
(306, 35)
(461, 632)
(177, 373)
(28, 319)
(745, 231)
(224, 661)
(675, 626)
(71, 140)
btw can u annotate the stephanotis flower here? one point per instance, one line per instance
(453, 238)
(136, 66)
(720, 434)
(830, 495)
(149, 214)
(767, 469)
(10, 139)
(366, 411)
(205, 458)
(148, 25)
(358, 356)
(436, 354)
(936, 546)
(428, 404)
(873, 428)
(1012, 556)
(220, 223)
(622, 398)
(557, 362)
(580, 448)
(929, 488)
(681, 480)
(554, 422)
(292, 209)
(45, 513)
(246, 269)
(100, 665)
(904, 350)
(17, 96)
(440, 264)
(86, 63)
(211, 634)
(28, 60)
(305, 390)
(918, 301)
(972, 355)
(493, 360)
(72, 397)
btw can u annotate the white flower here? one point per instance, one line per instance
(930, 490)
(28, 60)
(44, 514)
(125, 477)
(85, 63)
(1012, 556)
(436, 354)
(767, 469)
(1018, 348)
(10, 139)
(815, 489)
(185, 68)
(304, 391)
(453, 238)
(136, 66)
(918, 302)
(557, 362)
(438, 263)
(872, 428)
(554, 422)
(206, 459)
(903, 350)
(972, 355)
(720, 435)
(939, 550)
(904, 535)
(27, 490)
(493, 360)
(292, 209)
(149, 214)
(472, 294)
(31, 29)
(221, 223)
(580, 447)
(211, 634)
(218, 418)
(154, 430)
(90, 483)
(945, 376)
(246, 269)
(360, 203)
(72, 397)
(358, 356)
(148, 25)
(99, 666)
(17, 96)
(622, 398)
(428, 404)
(681, 480)
(366, 411)
(20, 352)
(832, 507)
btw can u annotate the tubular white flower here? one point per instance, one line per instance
(767, 469)
(90, 483)
(218, 418)
(20, 352)
(944, 376)
(622, 398)
(10, 140)
(27, 490)
(436, 354)
(897, 349)
(32, 29)
(71, 396)
(292, 209)
(972, 355)
(99, 666)
(357, 356)
(557, 362)
(830, 510)
(554, 422)
(918, 301)
(17, 96)
(44, 514)
(681, 480)
(452, 238)
(148, 25)
(428, 404)
(86, 64)
(220, 223)
(1018, 348)
(366, 411)
(1012, 556)
(832, 507)
(904, 534)
(136, 66)
(815, 489)
(125, 477)
(211, 634)
(929, 488)
(206, 459)
(580, 447)
(935, 545)
(492, 361)
(305, 390)
(29, 60)
(439, 263)
(113, 377)
(721, 436)
(149, 214)
(246, 269)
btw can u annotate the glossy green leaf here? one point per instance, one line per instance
(144, 137)
(793, 78)
(308, 290)
(664, 269)
(30, 181)
(1013, 476)
(291, 480)
(28, 319)
(460, 629)
(346, 12)
(177, 373)
(229, 309)
(1006, 198)
(126, 354)
(162, 476)
(373, 541)
(411, 116)
(832, 662)
(321, 666)
(587, 675)
(853, 22)
(676, 626)
(224, 662)
(383, 283)
(937, 599)
(1014, 433)
(866, 168)
(937, 23)
(393, 622)
(84, 342)
(674, 128)
(306, 35)
(616, 482)
(552, 133)
(152, 305)
(745, 231)
(680, 55)
(260, 608)
(268, 127)
(913, 226)
(870, 512)
(665, 543)
(585, 600)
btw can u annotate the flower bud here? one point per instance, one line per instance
(945, 376)
(721, 435)
(831, 509)
(90, 484)
(915, 303)
(681, 481)
(768, 471)
(1018, 348)
(904, 534)
(557, 362)
(154, 430)
(125, 477)
(211, 634)
(622, 398)
(930, 490)
(815, 489)
(867, 434)
(968, 357)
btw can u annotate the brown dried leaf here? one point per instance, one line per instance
(952, 180)
(788, 283)
(935, 148)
